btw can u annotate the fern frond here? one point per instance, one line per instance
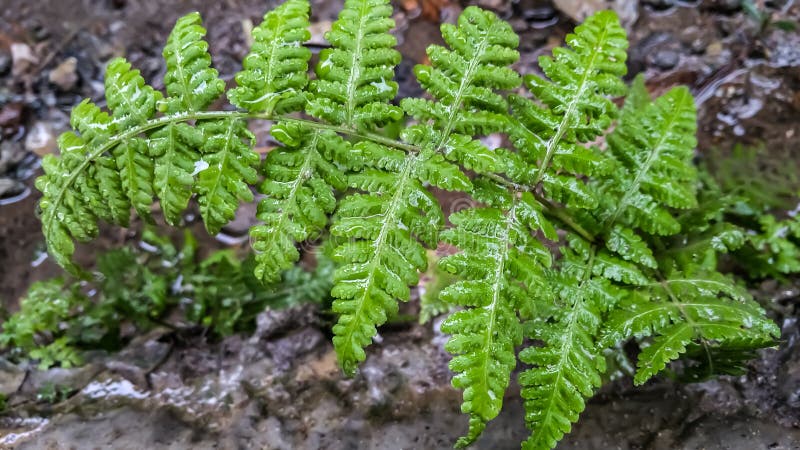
(274, 73)
(354, 82)
(192, 84)
(175, 148)
(300, 178)
(690, 306)
(501, 267)
(567, 368)
(573, 106)
(82, 185)
(226, 171)
(462, 80)
(654, 143)
(386, 227)
(383, 255)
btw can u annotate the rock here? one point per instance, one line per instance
(73, 378)
(22, 58)
(5, 62)
(11, 154)
(11, 115)
(287, 350)
(41, 140)
(275, 322)
(724, 6)
(579, 11)
(244, 219)
(659, 5)
(10, 188)
(65, 75)
(538, 15)
(665, 59)
(11, 376)
(498, 6)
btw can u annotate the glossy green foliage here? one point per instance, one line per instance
(354, 82)
(567, 367)
(275, 71)
(646, 184)
(301, 178)
(387, 228)
(226, 170)
(462, 81)
(42, 310)
(381, 254)
(192, 84)
(501, 267)
(692, 305)
(593, 229)
(571, 108)
(120, 160)
(737, 194)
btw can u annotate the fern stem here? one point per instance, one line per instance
(562, 215)
(549, 208)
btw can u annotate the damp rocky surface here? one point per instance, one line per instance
(280, 387)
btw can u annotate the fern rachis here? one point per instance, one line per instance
(616, 270)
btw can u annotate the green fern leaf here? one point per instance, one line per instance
(354, 82)
(694, 306)
(664, 348)
(383, 256)
(81, 186)
(300, 176)
(662, 173)
(274, 73)
(192, 84)
(567, 368)
(130, 99)
(630, 246)
(574, 106)
(228, 172)
(102, 187)
(175, 148)
(463, 80)
(499, 262)
(65, 213)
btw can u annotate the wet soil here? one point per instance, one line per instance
(280, 388)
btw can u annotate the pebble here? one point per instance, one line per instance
(665, 59)
(11, 115)
(659, 5)
(579, 11)
(9, 188)
(499, 6)
(722, 5)
(11, 376)
(22, 58)
(5, 62)
(65, 75)
(40, 139)
(11, 154)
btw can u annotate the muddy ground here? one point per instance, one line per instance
(280, 388)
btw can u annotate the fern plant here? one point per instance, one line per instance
(159, 283)
(588, 231)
